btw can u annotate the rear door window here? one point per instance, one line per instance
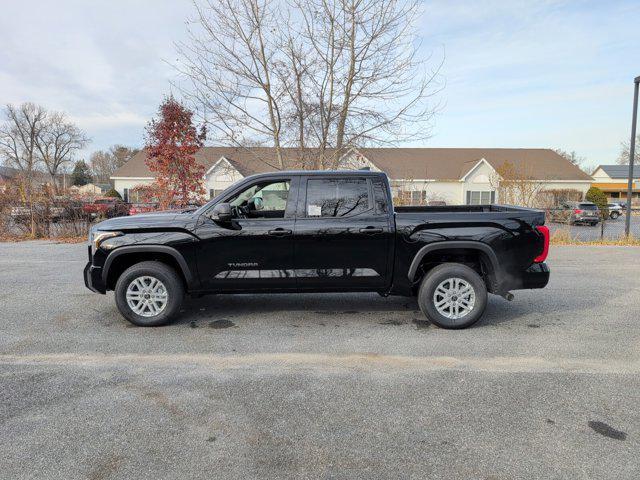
(380, 195)
(588, 206)
(337, 197)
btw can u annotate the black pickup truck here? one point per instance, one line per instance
(319, 232)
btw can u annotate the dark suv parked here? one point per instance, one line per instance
(575, 213)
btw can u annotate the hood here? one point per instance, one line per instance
(168, 219)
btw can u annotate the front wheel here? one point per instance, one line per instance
(614, 215)
(149, 294)
(453, 296)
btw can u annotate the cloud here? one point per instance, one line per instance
(545, 74)
(103, 63)
(98, 121)
(519, 73)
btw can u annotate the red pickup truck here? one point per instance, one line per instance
(107, 207)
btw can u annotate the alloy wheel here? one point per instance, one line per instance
(454, 298)
(147, 296)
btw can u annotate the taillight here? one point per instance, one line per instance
(577, 210)
(544, 231)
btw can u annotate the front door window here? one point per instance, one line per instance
(262, 200)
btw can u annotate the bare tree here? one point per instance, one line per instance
(325, 75)
(623, 156)
(229, 61)
(380, 86)
(105, 162)
(57, 144)
(516, 185)
(18, 145)
(572, 156)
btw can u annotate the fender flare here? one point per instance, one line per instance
(454, 245)
(186, 271)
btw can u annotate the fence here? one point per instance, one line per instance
(45, 218)
(65, 218)
(563, 226)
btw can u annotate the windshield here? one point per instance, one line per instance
(206, 206)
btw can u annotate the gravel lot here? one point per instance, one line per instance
(320, 386)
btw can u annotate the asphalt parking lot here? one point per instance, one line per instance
(320, 386)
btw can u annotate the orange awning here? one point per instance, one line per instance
(615, 187)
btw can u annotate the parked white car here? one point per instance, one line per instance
(615, 210)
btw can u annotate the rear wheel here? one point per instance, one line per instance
(614, 215)
(453, 296)
(149, 294)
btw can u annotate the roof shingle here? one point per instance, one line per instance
(615, 171)
(398, 163)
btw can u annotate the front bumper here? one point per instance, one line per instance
(93, 276)
(93, 279)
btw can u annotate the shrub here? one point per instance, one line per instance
(113, 193)
(597, 196)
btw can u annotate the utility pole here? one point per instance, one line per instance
(632, 153)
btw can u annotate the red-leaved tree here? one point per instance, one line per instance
(171, 144)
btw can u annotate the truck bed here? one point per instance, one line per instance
(464, 213)
(463, 209)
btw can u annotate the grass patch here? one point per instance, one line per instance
(25, 238)
(564, 237)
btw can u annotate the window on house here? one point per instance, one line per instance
(480, 197)
(214, 192)
(133, 196)
(418, 197)
(125, 194)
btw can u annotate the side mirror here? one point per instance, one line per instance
(222, 212)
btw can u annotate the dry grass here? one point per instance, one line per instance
(24, 238)
(563, 237)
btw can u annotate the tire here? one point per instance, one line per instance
(614, 215)
(440, 275)
(142, 272)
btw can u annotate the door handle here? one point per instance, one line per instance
(280, 232)
(371, 230)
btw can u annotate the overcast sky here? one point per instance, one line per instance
(552, 74)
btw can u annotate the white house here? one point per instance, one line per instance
(417, 175)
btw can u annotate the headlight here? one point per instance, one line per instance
(97, 238)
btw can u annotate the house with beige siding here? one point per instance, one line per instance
(613, 180)
(418, 176)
